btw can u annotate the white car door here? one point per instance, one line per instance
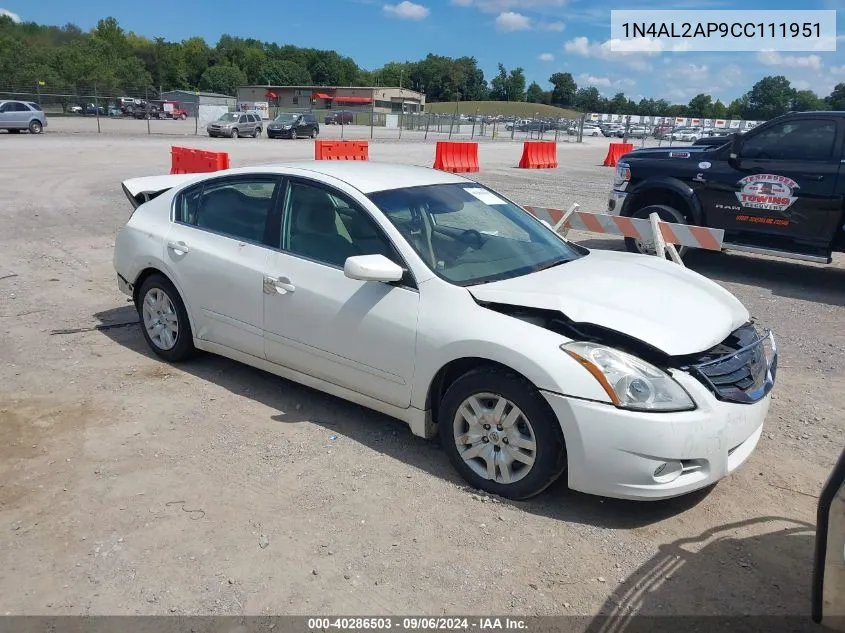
(217, 247)
(355, 334)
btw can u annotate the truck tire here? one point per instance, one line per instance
(665, 213)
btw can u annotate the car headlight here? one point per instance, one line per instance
(630, 383)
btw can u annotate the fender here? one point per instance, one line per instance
(665, 183)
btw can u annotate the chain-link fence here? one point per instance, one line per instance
(89, 109)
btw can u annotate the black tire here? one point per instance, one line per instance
(183, 116)
(665, 213)
(550, 457)
(183, 348)
(35, 127)
(293, 136)
(314, 133)
(257, 132)
(234, 133)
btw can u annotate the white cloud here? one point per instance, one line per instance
(406, 11)
(773, 58)
(498, 6)
(511, 21)
(15, 17)
(585, 48)
(585, 79)
(546, 57)
(553, 26)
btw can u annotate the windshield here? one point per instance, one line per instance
(230, 116)
(468, 234)
(286, 118)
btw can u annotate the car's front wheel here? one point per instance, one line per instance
(164, 320)
(293, 134)
(665, 213)
(500, 434)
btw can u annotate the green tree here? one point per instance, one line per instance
(223, 79)
(807, 101)
(589, 100)
(719, 111)
(769, 97)
(836, 99)
(619, 104)
(499, 86)
(701, 105)
(737, 108)
(564, 89)
(534, 93)
(516, 85)
(284, 73)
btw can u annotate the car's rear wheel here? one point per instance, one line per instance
(500, 434)
(314, 133)
(164, 320)
(234, 133)
(35, 127)
(665, 213)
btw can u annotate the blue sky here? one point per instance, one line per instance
(542, 36)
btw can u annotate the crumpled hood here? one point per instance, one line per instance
(656, 301)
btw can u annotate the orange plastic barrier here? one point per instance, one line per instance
(456, 157)
(539, 155)
(341, 150)
(615, 151)
(185, 160)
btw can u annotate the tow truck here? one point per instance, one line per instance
(777, 190)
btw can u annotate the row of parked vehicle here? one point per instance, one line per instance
(134, 108)
(290, 125)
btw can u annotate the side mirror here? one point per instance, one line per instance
(829, 566)
(372, 268)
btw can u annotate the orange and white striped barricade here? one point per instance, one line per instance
(664, 235)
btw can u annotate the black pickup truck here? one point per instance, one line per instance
(778, 189)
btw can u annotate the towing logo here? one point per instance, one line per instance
(767, 191)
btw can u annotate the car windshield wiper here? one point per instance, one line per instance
(551, 265)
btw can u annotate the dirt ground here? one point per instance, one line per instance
(128, 486)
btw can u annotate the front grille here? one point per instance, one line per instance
(741, 368)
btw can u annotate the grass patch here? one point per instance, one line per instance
(505, 108)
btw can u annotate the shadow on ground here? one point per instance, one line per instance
(784, 278)
(384, 434)
(711, 581)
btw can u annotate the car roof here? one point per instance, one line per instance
(367, 176)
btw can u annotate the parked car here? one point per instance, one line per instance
(385, 285)
(776, 190)
(589, 130)
(294, 125)
(91, 110)
(22, 115)
(235, 124)
(687, 134)
(341, 117)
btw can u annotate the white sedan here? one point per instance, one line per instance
(433, 299)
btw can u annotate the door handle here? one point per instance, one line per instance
(278, 285)
(813, 177)
(178, 247)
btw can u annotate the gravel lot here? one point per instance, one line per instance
(128, 486)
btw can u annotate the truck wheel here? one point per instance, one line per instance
(183, 116)
(665, 213)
